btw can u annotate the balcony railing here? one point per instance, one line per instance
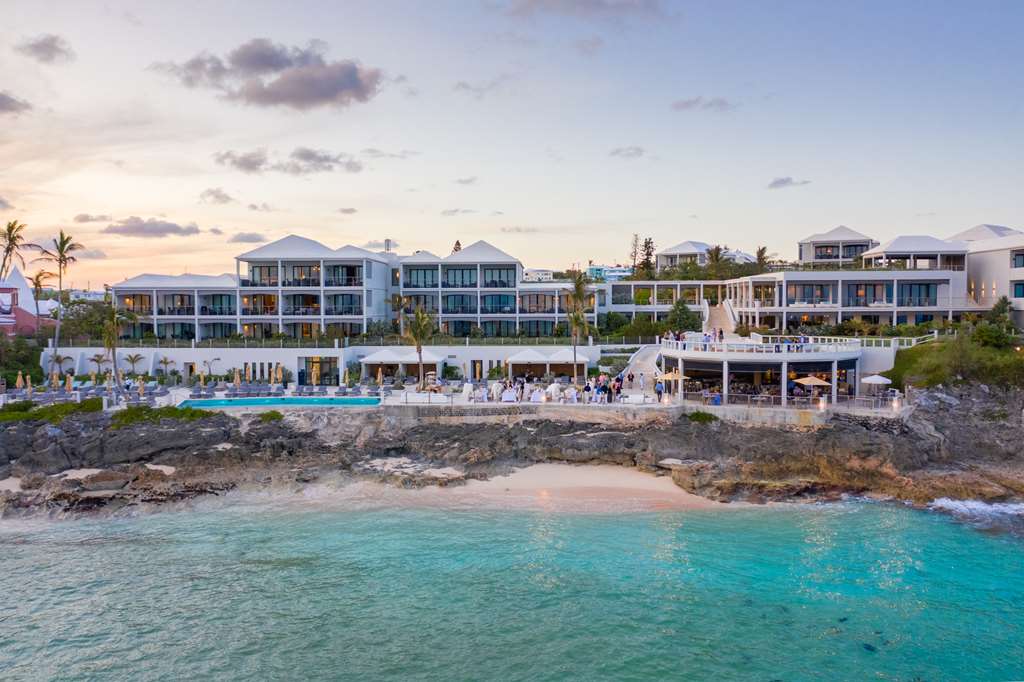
(179, 310)
(459, 310)
(259, 310)
(344, 310)
(458, 285)
(420, 285)
(343, 282)
(302, 282)
(537, 310)
(865, 302)
(215, 310)
(622, 299)
(917, 301)
(810, 301)
(272, 282)
(498, 284)
(497, 310)
(138, 311)
(302, 310)
(410, 309)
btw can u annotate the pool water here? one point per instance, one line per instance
(281, 402)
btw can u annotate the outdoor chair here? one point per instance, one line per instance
(342, 391)
(356, 390)
(373, 393)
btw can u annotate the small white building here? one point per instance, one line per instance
(538, 275)
(837, 246)
(995, 268)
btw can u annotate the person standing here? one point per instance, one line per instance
(642, 382)
(659, 389)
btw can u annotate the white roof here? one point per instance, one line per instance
(739, 256)
(545, 286)
(565, 355)
(688, 248)
(422, 257)
(150, 281)
(916, 244)
(350, 252)
(527, 356)
(26, 298)
(837, 234)
(1010, 241)
(400, 354)
(292, 246)
(984, 231)
(480, 252)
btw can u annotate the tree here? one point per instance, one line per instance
(576, 315)
(133, 359)
(716, 262)
(12, 243)
(38, 281)
(98, 359)
(419, 328)
(457, 247)
(116, 319)
(61, 254)
(681, 318)
(165, 362)
(634, 250)
(1000, 312)
(647, 258)
(762, 258)
(57, 362)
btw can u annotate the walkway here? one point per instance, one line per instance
(718, 318)
(645, 360)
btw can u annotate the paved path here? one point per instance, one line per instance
(644, 361)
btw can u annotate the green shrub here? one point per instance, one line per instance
(271, 416)
(701, 417)
(18, 406)
(144, 414)
(54, 414)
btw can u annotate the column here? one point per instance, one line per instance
(195, 315)
(785, 378)
(856, 378)
(682, 373)
(835, 381)
(725, 382)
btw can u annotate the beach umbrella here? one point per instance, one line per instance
(142, 388)
(380, 375)
(202, 380)
(279, 373)
(248, 373)
(876, 380)
(315, 375)
(110, 379)
(92, 378)
(120, 377)
(19, 383)
(812, 381)
(344, 375)
(68, 383)
(28, 384)
(238, 378)
(54, 381)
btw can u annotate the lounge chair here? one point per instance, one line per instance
(342, 391)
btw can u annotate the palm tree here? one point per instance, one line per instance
(112, 325)
(61, 255)
(716, 261)
(57, 362)
(99, 359)
(762, 258)
(133, 359)
(576, 313)
(12, 242)
(38, 281)
(165, 362)
(419, 328)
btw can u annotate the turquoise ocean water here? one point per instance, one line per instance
(851, 591)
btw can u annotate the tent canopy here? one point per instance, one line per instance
(876, 379)
(528, 356)
(564, 355)
(396, 356)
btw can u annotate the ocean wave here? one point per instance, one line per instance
(977, 507)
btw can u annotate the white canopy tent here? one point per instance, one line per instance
(403, 358)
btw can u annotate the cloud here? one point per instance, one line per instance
(627, 152)
(497, 213)
(379, 244)
(929, 214)
(215, 230)
(374, 153)
(47, 48)
(90, 254)
(471, 180)
(5, 205)
(90, 218)
(693, 216)
(9, 104)
(701, 103)
(215, 195)
(587, 9)
(588, 47)
(246, 238)
(516, 229)
(457, 211)
(261, 207)
(479, 90)
(783, 183)
(302, 161)
(134, 226)
(347, 211)
(267, 74)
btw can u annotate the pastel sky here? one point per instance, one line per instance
(171, 136)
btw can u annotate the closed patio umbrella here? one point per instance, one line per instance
(238, 378)
(248, 374)
(28, 384)
(68, 383)
(92, 378)
(54, 381)
(380, 375)
(142, 387)
(19, 383)
(202, 380)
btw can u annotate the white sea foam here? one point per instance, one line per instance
(977, 508)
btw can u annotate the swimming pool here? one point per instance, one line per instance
(281, 402)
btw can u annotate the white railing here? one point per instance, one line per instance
(705, 312)
(699, 346)
(734, 318)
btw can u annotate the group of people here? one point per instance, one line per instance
(601, 389)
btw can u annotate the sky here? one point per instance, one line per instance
(171, 137)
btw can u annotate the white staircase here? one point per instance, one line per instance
(719, 318)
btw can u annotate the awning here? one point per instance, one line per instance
(528, 356)
(400, 356)
(564, 355)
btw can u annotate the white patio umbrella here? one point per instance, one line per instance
(876, 380)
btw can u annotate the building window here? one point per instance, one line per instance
(918, 294)
(460, 277)
(503, 278)
(826, 252)
(1018, 260)
(421, 278)
(854, 250)
(1018, 289)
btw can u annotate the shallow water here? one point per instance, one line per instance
(245, 591)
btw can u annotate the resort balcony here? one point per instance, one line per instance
(458, 285)
(864, 302)
(421, 285)
(259, 310)
(344, 310)
(409, 309)
(917, 301)
(343, 282)
(770, 348)
(537, 310)
(304, 310)
(498, 284)
(139, 312)
(811, 302)
(497, 310)
(179, 310)
(215, 311)
(264, 283)
(306, 282)
(459, 310)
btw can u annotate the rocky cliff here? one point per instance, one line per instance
(963, 443)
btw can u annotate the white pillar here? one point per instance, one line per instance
(725, 382)
(785, 378)
(856, 384)
(835, 381)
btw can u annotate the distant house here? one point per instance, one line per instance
(538, 275)
(697, 253)
(838, 246)
(609, 273)
(984, 231)
(18, 306)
